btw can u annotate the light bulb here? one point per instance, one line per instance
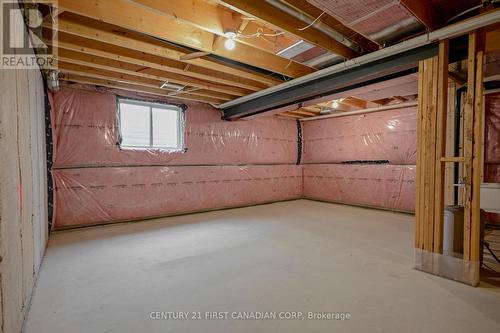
(335, 104)
(229, 43)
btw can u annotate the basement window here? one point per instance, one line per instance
(149, 125)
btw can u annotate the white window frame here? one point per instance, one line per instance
(180, 109)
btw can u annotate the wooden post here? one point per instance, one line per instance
(468, 128)
(442, 107)
(477, 166)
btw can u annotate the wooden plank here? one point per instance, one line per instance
(442, 107)
(135, 88)
(419, 180)
(449, 168)
(468, 137)
(128, 78)
(291, 115)
(215, 19)
(106, 33)
(303, 112)
(431, 153)
(453, 159)
(264, 11)
(138, 18)
(75, 30)
(477, 166)
(424, 13)
(142, 70)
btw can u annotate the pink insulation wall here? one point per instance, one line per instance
(492, 145)
(226, 164)
(492, 139)
(383, 186)
(388, 135)
(380, 136)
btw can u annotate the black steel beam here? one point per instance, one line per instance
(376, 71)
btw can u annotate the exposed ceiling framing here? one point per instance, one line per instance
(139, 45)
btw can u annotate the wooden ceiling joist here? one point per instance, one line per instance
(216, 19)
(148, 73)
(93, 72)
(107, 60)
(131, 87)
(81, 29)
(264, 11)
(152, 22)
(314, 12)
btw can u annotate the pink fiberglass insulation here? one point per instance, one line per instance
(492, 138)
(384, 186)
(387, 135)
(226, 164)
(85, 134)
(98, 195)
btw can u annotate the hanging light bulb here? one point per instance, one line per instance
(229, 44)
(230, 36)
(335, 104)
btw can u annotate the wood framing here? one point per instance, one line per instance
(135, 88)
(263, 10)
(433, 92)
(101, 32)
(431, 160)
(442, 107)
(153, 22)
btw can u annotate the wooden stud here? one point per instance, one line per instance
(468, 139)
(442, 106)
(453, 159)
(477, 165)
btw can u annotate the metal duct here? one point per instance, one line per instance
(318, 25)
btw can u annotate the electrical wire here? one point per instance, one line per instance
(312, 23)
(260, 31)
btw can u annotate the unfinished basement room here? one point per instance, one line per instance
(230, 166)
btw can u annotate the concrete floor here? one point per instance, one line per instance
(290, 256)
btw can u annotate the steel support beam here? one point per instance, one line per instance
(372, 72)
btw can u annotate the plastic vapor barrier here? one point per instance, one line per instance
(492, 138)
(342, 159)
(383, 186)
(85, 131)
(226, 164)
(91, 195)
(386, 135)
